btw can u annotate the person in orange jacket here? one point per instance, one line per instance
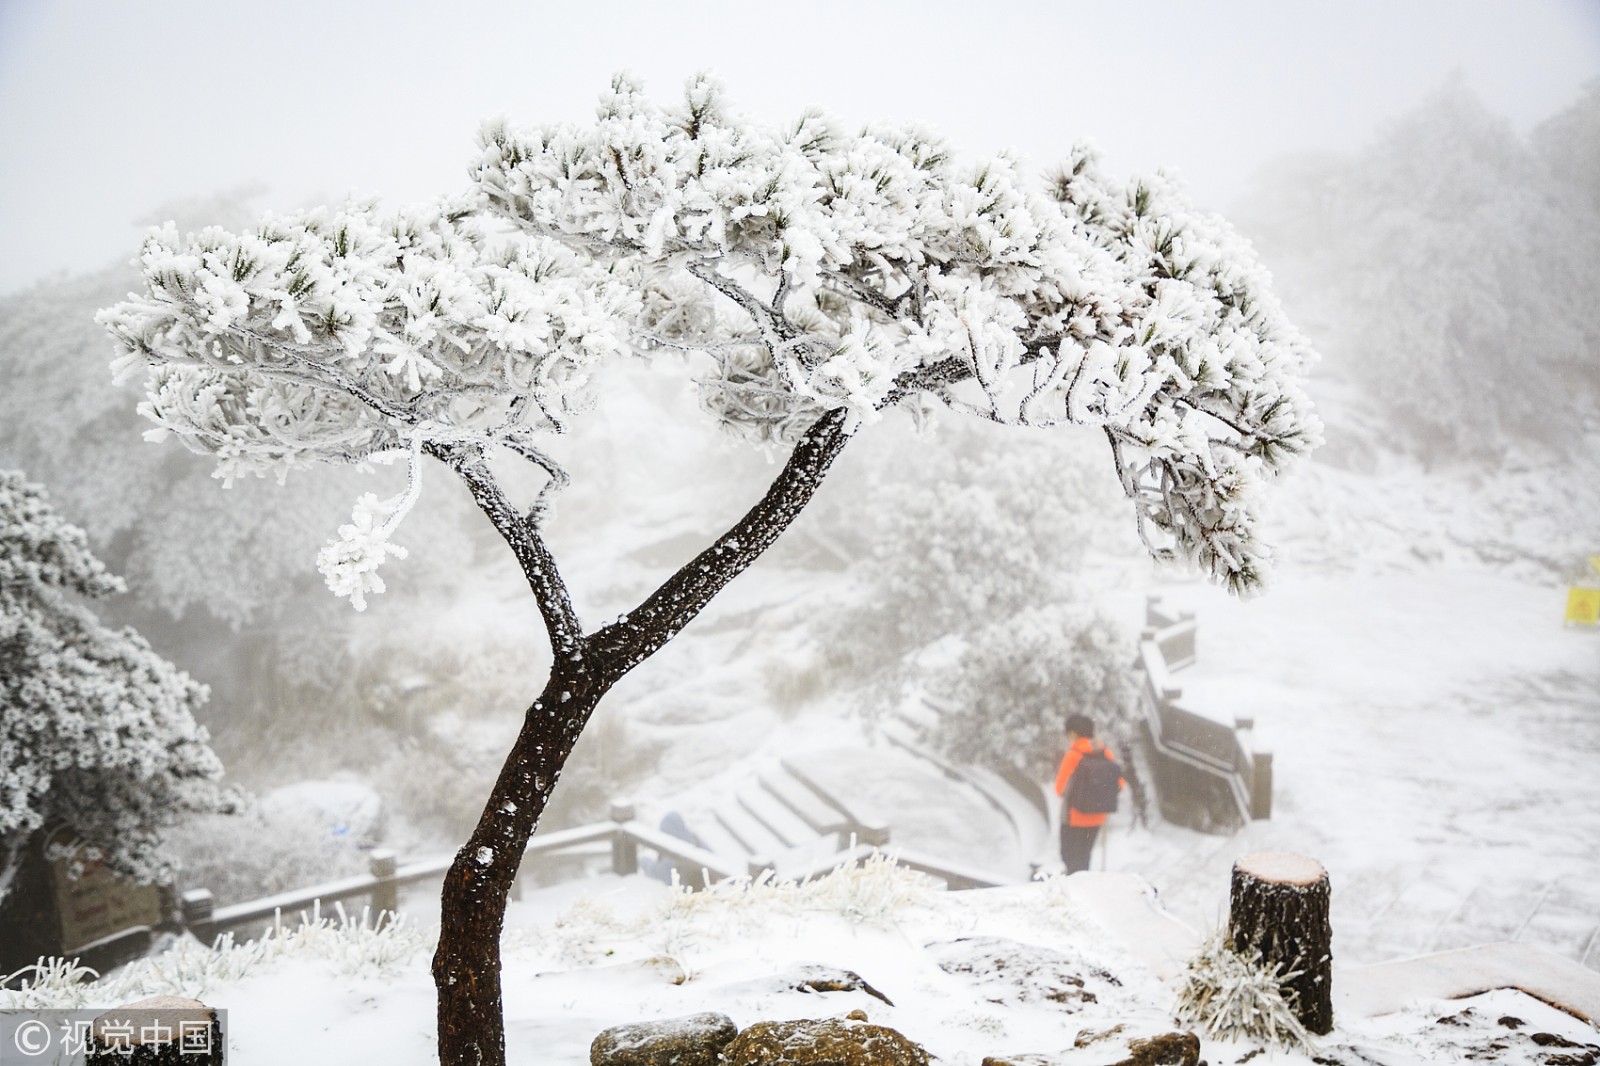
(1079, 828)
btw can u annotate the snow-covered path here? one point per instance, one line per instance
(1437, 745)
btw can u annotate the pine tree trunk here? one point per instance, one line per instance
(1279, 908)
(466, 966)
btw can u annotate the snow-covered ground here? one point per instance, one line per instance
(1436, 733)
(1073, 968)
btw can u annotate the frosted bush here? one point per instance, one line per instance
(355, 945)
(867, 893)
(813, 270)
(52, 982)
(1233, 996)
(1011, 688)
(98, 741)
(252, 854)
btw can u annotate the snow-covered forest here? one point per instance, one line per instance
(1435, 725)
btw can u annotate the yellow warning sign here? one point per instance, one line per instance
(1583, 605)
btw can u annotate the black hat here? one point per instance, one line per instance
(1080, 724)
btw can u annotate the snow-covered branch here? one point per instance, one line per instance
(526, 543)
(805, 270)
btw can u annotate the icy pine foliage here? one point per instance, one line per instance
(807, 268)
(97, 731)
(1233, 996)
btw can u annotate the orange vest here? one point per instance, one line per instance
(1080, 747)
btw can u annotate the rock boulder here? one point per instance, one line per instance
(828, 1042)
(694, 1040)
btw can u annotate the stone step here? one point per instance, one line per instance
(756, 840)
(918, 717)
(1412, 924)
(820, 815)
(779, 820)
(1562, 916)
(1564, 931)
(1034, 840)
(718, 840)
(860, 819)
(1490, 913)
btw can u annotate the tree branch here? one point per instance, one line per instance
(861, 291)
(637, 635)
(558, 480)
(320, 372)
(538, 565)
(776, 331)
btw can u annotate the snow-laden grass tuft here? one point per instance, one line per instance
(51, 982)
(1232, 996)
(353, 944)
(868, 893)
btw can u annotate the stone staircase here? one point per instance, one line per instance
(800, 814)
(1029, 806)
(781, 818)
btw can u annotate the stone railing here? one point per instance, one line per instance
(1210, 774)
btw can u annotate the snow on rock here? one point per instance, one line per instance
(1504, 1027)
(1004, 970)
(812, 977)
(694, 1040)
(848, 1041)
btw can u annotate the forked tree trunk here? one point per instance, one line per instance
(466, 966)
(1279, 908)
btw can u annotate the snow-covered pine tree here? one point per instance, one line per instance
(1014, 683)
(1453, 262)
(818, 277)
(98, 742)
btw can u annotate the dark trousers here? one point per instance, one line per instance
(1077, 844)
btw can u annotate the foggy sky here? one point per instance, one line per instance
(109, 111)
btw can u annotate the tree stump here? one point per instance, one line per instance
(1279, 908)
(160, 1031)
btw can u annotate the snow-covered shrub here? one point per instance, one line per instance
(253, 854)
(973, 532)
(1232, 996)
(867, 893)
(352, 942)
(98, 742)
(1008, 693)
(52, 982)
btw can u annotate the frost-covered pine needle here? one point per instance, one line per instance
(1230, 995)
